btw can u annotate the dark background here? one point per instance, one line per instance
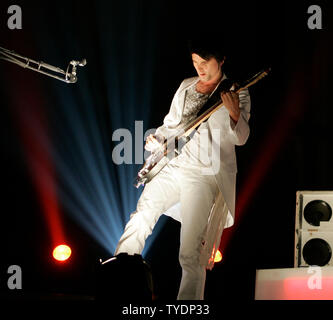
(289, 148)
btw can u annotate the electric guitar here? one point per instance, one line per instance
(171, 147)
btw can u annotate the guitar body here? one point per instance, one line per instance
(150, 169)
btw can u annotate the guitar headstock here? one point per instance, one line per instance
(258, 76)
(265, 72)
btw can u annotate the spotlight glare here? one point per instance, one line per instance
(62, 252)
(218, 256)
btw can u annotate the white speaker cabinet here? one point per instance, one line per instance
(313, 228)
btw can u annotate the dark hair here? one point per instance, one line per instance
(206, 49)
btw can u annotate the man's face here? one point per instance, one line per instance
(207, 69)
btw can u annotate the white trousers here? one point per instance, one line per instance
(196, 194)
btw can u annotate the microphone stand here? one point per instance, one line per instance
(68, 76)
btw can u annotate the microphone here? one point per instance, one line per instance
(71, 75)
(81, 63)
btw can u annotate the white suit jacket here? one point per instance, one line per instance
(231, 134)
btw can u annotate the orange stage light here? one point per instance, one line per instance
(62, 252)
(218, 256)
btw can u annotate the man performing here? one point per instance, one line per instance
(198, 186)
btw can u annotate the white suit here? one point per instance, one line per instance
(204, 204)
